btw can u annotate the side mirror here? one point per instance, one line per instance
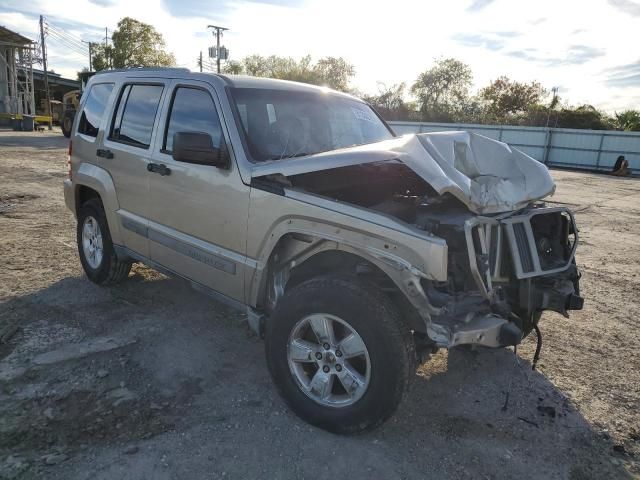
(197, 147)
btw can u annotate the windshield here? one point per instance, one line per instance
(281, 124)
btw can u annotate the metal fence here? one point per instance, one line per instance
(557, 147)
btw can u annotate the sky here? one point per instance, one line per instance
(586, 48)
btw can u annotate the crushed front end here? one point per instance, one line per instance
(504, 270)
(509, 257)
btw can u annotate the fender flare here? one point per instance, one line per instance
(314, 238)
(98, 179)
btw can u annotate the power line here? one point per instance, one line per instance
(69, 49)
(72, 44)
(64, 33)
(62, 37)
(66, 38)
(67, 44)
(209, 66)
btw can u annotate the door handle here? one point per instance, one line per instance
(104, 153)
(159, 168)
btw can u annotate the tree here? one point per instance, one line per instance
(584, 116)
(390, 102)
(330, 71)
(505, 97)
(135, 44)
(443, 90)
(80, 73)
(335, 72)
(233, 67)
(628, 120)
(101, 56)
(255, 65)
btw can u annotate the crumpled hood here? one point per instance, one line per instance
(488, 176)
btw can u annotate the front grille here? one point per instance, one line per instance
(542, 241)
(524, 251)
(484, 239)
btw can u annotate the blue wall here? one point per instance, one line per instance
(557, 147)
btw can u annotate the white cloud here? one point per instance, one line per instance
(572, 44)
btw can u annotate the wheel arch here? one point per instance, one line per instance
(296, 258)
(91, 181)
(84, 193)
(336, 261)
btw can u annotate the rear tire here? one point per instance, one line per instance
(67, 123)
(364, 320)
(95, 247)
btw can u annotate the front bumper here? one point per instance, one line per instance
(521, 264)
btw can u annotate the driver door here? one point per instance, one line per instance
(197, 213)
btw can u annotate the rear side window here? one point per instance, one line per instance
(192, 110)
(93, 109)
(136, 113)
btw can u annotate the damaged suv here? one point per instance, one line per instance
(354, 252)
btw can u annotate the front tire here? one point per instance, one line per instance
(95, 247)
(339, 354)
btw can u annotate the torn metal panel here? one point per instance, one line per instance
(488, 176)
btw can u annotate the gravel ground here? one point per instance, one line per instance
(150, 379)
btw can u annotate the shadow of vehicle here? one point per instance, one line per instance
(33, 140)
(192, 383)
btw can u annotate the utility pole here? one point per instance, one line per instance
(552, 104)
(106, 52)
(200, 61)
(46, 77)
(90, 51)
(218, 33)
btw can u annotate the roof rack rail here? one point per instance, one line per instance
(145, 69)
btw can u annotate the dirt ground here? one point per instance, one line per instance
(151, 380)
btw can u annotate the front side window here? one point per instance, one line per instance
(136, 113)
(192, 110)
(281, 124)
(93, 109)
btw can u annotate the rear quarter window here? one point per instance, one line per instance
(94, 108)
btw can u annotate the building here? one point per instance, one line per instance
(17, 54)
(22, 87)
(58, 85)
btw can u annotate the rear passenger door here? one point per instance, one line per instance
(126, 151)
(197, 213)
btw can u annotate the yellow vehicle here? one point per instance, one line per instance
(70, 102)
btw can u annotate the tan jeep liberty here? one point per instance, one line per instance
(354, 252)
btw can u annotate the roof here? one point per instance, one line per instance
(236, 81)
(9, 36)
(246, 81)
(54, 78)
